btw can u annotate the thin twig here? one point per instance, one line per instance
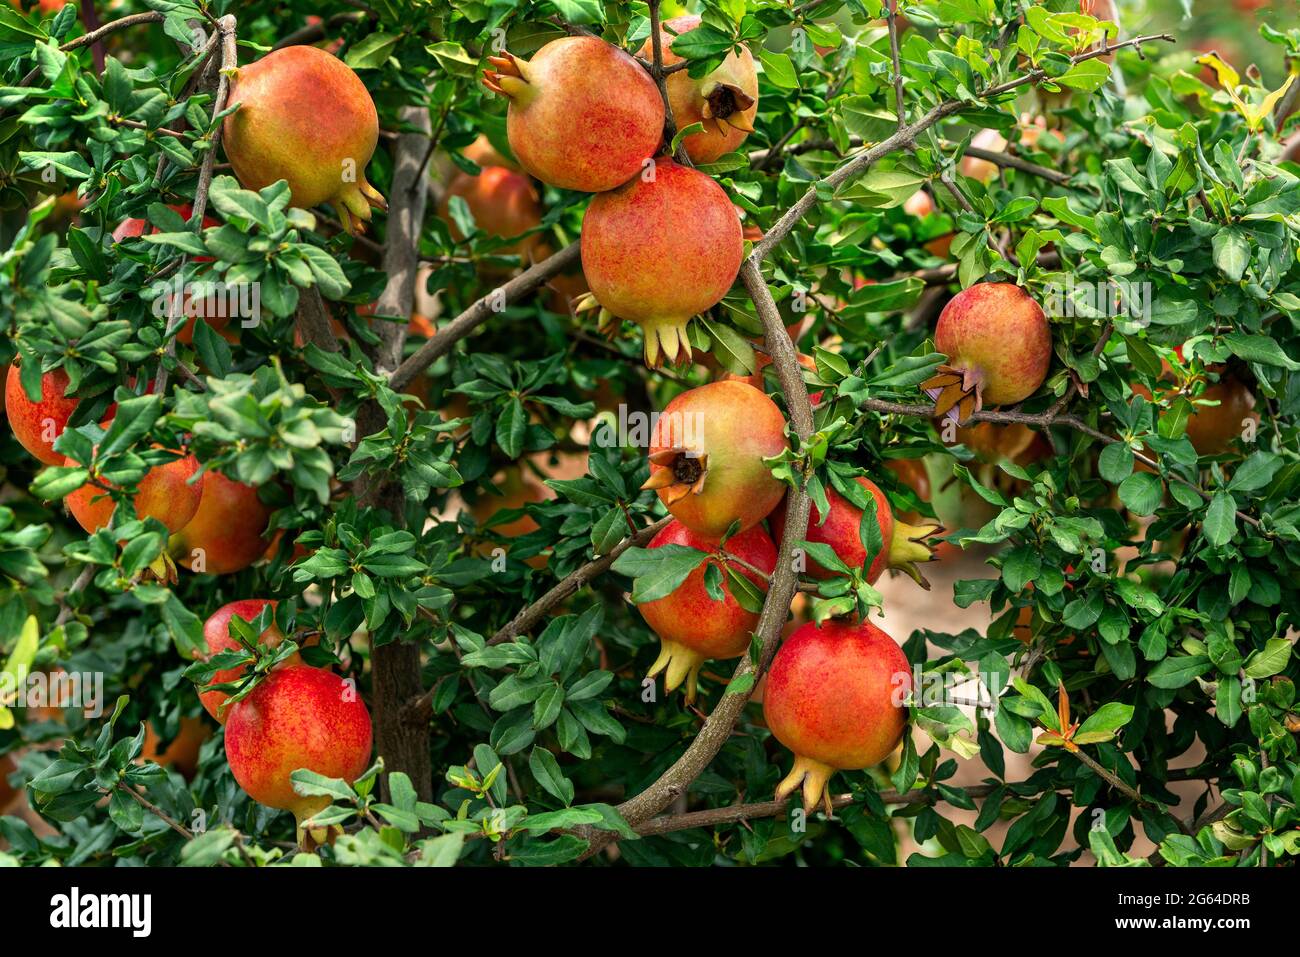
(479, 312)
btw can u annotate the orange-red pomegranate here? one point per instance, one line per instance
(900, 545)
(706, 457)
(693, 627)
(583, 114)
(305, 117)
(227, 532)
(999, 348)
(659, 250)
(297, 718)
(36, 425)
(502, 202)
(217, 637)
(834, 697)
(165, 493)
(724, 102)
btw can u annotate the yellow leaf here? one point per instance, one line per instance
(1051, 738)
(25, 650)
(1255, 115)
(1229, 79)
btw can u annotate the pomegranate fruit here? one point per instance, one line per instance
(583, 114)
(299, 717)
(982, 169)
(484, 154)
(305, 117)
(165, 493)
(217, 637)
(920, 204)
(518, 488)
(999, 347)
(706, 457)
(724, 102)
(691, 625)
(503, 204)
(36, 425)
(834, 697)
(227, 532)
(1211, 428)
(902, 545)
(658, 250)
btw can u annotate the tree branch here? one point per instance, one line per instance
(1015, 162)
(530, 616)
(402, 240)
(713, 817)
(480, 311)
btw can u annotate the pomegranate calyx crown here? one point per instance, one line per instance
(907, 549)
(680, 664)
(811, 778)
(356, 201)
(725, 104)
(510, 78)
(682, 473)
(957, 392)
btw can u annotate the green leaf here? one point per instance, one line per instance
(657, 572)
(1269, 660)
(777, 69)
(372, 51)
(1175, 672)
(1221, 519)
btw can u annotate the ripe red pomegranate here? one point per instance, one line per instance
(483, 153)
(920, 204)
(999, 347)
(706, 457)
(725, 101)
(834, 697)
(1210, 428)
(1213, 428)
(217, 637)
(982, 169)
(902, 545)
(583, 114)
(305, 117)
(658, 250)
(227, 532)
(36, 425)
(503, 203)
(299, 717)
(692, 626)
(165, 493)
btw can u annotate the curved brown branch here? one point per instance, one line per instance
(713, 817)
(229, 64)
(530, 616)
(1015, 162)
(1044, 420)
(776, 607)
(480, 311)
